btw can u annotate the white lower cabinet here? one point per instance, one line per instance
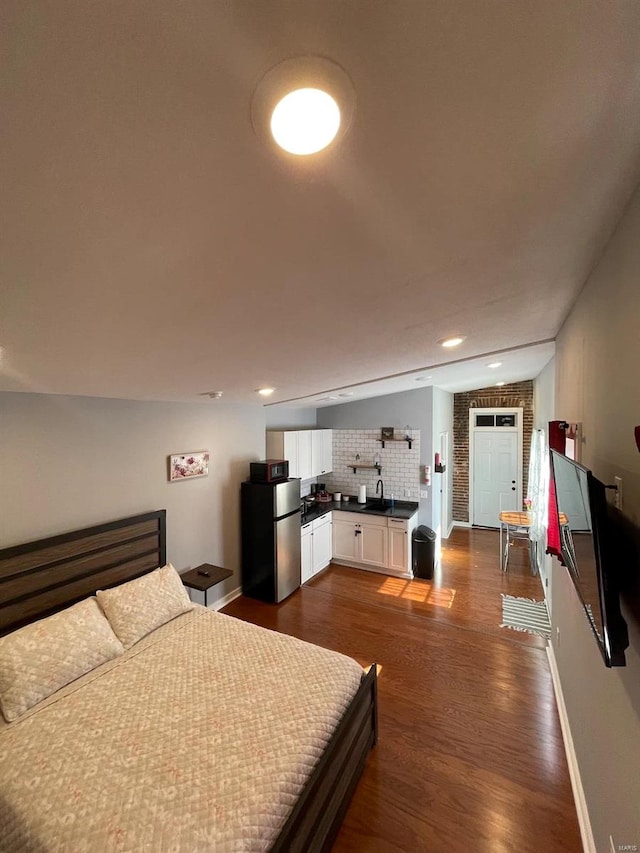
(322, 545)
(306, 559)
(372, 541)
(315, 546)
(399, 545)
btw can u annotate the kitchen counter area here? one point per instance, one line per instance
(401, 509)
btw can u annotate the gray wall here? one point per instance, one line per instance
(544, 389)
(597, 358)
(413, 408)
(287, 418)
(442, 422)
(69, 462)
(544, 411)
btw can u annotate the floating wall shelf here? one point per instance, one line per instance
(404, 438)
(356, 466)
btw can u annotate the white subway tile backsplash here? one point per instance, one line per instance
(400, 465)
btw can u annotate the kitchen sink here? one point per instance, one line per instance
(377, 506)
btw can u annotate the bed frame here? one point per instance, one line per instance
(42, 577)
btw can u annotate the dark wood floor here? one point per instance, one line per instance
(470, 755)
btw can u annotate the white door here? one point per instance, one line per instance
(495, 475)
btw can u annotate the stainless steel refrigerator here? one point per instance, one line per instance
(270, 539)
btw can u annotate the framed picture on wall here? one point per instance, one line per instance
(183, 466)
(386, 432)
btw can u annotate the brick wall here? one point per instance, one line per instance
(518, 394)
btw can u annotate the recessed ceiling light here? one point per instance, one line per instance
(265, 392)
(305, 121)
(500, 384)
(346, 394)
(423, 378)
(495, 364)
(451, 342)
(215, 395)
(302, 105)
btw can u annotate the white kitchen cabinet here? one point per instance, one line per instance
(304, 454)
(345, 539)
(309, 451)
(373, 544)
(315, 546)
(373, 541)
(321, 452)
(358, 538)
(289, 451)
(306, 568)
(322, 542)
(400, 543)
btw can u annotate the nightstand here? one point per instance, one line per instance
(204, 577)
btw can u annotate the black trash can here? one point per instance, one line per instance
(423, 552)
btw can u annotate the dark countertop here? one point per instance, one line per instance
(401, 509)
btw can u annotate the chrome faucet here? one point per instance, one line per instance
(381, 485)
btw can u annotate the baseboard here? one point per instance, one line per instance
(460, 524)
(222, 602)
(228, 598)
(449, 529)
(588, 844)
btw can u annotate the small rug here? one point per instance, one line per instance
(524, 614)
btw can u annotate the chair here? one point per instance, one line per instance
(516, 526)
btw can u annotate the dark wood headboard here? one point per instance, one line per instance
(39, 578)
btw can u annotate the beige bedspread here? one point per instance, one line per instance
(199, 738)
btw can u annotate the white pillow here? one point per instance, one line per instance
(137, 607)
(40, 658)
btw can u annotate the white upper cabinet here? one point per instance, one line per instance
(305, 470)
(321, 452)
(289, 451)
(309, 451)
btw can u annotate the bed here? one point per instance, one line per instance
(205, 734)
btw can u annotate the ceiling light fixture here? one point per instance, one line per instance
(500, 384)
(449, 343)
(346, 394)
(305, 121)
(215, 395)
(495, 364)
(423, 378)
(303, 105)
(265, 392)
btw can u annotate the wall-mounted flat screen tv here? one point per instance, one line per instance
(587, 552)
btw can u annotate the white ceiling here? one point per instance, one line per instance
(155, 248)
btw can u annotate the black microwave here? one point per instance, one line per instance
(269, 471)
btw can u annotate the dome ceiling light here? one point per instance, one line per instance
(302, 106)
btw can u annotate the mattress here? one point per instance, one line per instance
(200, 737)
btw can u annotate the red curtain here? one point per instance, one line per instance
(557, 441)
